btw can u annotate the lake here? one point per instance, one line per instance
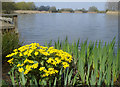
(45, 27)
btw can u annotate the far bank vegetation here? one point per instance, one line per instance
(29, 7)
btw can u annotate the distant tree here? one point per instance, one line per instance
(111, 6)
(41, 8)
(78, 9)
(30, 6)
(25, 6)
(93, 9)
(44, 8)
(83, 10)
(8, 7)
(47, 8)
(67, 9)
(53, 9)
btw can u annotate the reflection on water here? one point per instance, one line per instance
(46, 27)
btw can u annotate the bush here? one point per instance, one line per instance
(10, 41)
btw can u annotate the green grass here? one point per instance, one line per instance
(10, 41)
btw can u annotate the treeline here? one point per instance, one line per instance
(9, 7)
(53, 9)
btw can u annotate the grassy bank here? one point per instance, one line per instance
(92, 64)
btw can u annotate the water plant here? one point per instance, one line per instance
(96, 62)
(77, 63)
(35, 64)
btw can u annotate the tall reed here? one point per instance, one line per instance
(96, 62)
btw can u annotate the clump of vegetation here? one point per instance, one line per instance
(37, 64)
(10, 41)
(8, 7)
(79, 64)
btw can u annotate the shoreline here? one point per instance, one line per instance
(37, 12)
(29, 12)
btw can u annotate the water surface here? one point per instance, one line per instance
(45, 27)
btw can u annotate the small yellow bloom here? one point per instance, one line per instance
(35, 65)
(36, 53)
(49, 60)
(45, 70)
(42, 68)
(15, 50)
(50, 69)
(28, 67)
(30, 61)
(20, 69)
(38, 45)
(26, 72)
(25, 53)
(56, 71)
(10, 61)
(20, 54)
(10, 55)
(26, 60)
(65, 66)
(44, 75)
(20, 65)
(54, 63)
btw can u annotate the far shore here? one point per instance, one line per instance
(36, 12)
(29, 12)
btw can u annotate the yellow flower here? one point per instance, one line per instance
(26, 72)
(50, 48)
(38, 45)
(36, 53)
(45, 53)
(64, 63)
(20, 54)
(25, 53)
(15, 50)
(54, 63)
(20, 65)
(26, 60)
(20, 69)
(28, 67)
(56, 71)
(42, 68)
(10, 61)
(65, 66)
(30, 61)
(58, 60)
(50, 69)
(46, 74)
(52, 72)
(29, 54)
(35, 65)
(10, 55)
(30, 51)
(50, 60)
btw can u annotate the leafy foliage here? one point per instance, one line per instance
(93, 9)
(10, 41)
